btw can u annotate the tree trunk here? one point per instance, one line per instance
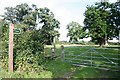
(102, 42)
(106, 42)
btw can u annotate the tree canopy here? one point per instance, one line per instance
(75, 32)
(101, 20)
(28, 18)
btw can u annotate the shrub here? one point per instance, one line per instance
(28, 51)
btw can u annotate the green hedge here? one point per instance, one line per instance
(28, 51)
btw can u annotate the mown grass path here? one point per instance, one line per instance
(67, 75)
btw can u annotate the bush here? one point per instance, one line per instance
(62, 42)
(28, 52)
(85, 43)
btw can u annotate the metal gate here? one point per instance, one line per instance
(97, 58)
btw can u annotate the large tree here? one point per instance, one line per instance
(29, 18)
(75, 32)
(50, 24)
(98, 21)
(115, 17)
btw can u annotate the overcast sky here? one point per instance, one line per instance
(64, 10)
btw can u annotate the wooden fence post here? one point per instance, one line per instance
(119, 38)
(53, 52)
(53, 49)
(62, 53)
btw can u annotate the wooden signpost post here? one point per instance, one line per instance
(12, 31)
(10, 60)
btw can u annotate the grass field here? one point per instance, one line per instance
(57, 69)
(66, 69)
